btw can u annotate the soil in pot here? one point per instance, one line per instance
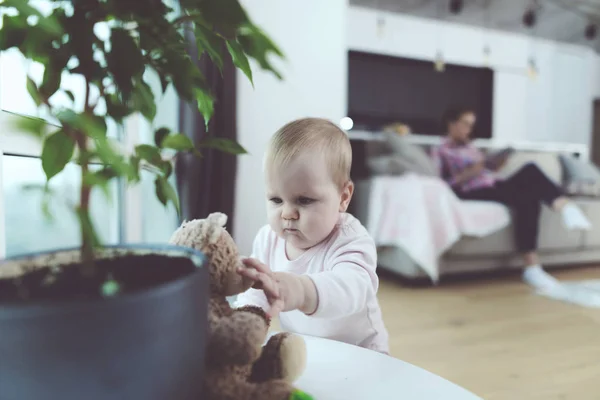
(69, 282)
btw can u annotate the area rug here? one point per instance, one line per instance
(582, 293)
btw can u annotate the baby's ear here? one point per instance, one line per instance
(347, 192)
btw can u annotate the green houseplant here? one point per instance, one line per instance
(101, 322)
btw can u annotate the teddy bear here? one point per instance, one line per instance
(239, 365)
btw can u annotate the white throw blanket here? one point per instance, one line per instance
(424, 217)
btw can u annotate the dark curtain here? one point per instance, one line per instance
(207, 184)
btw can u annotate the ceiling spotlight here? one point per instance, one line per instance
(456, 6)
(591, 30)
(529, 18)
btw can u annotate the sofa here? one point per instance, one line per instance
(565, 164)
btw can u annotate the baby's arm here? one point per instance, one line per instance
(348, 280)
(342, 288)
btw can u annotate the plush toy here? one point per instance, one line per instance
(238, 366)
(398, 128)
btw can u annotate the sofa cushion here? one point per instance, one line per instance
(580, 178)
(498, 243)
(546, 161)
(552, 236)
(391, 165)
(410, 154)
(591, 208)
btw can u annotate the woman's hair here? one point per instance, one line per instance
(454, 113)
(312, 135)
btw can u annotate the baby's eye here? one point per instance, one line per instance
(305, 201)
(275, 200)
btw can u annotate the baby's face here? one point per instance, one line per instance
(303, 202)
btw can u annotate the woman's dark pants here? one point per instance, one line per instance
(523, 192)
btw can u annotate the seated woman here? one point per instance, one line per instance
(463, 166)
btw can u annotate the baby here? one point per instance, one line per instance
(314, 264)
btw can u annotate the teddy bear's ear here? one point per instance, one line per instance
(217, 218)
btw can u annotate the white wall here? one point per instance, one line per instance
(312, 34)
(557, 106)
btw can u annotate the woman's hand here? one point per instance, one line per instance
(470, 172)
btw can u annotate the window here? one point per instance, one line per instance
(131, 215)
(27, 228)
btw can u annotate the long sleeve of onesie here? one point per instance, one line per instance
(348, 280)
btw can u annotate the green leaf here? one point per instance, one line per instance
(205, 105)
(134, 162)
(34, 92)
(81, 37)
(187, 79)
(93, 126)
(111, 157)
(56, 153)
(101, 179)
(258, 45)
(47, 194)
(225, 145)
(167, 169)
(116, 109)
(46, 207)
(239, 58)
(14, 32)
(32, 125)
(164, 83)
(51, 80)
(225, 15)
(125, 60)
(178, 142)
(143, 100)
(207, 40)
(160, 134)
(21, 6)
(49, 24)
(149, 153)
(165, 192)
(297, 394)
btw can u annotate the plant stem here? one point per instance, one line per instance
(87, 247)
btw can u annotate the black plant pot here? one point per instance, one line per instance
(145, 344)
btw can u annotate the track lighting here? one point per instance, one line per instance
(439, 63)
(591, 30)
(529, 18)
(380, 26)
(532, 69)
(456, 6)
(486, 55)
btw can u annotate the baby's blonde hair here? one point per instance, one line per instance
(312, 135)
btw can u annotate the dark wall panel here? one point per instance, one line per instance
(384, 89)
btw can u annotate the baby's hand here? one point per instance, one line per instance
(264, 279)
(284, 291)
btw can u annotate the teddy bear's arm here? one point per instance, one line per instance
(254, 310)
(236, 339)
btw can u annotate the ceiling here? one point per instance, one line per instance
(561, 20)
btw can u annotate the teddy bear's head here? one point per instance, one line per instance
(211, 238)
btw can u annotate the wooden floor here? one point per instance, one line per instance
(496, 338)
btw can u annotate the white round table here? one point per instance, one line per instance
(339, 371)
